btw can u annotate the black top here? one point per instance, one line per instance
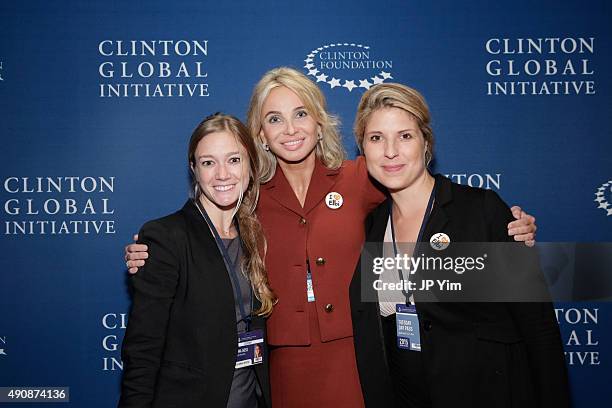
(234, 250)
(474, 354)
(245, 387)
(181, 341)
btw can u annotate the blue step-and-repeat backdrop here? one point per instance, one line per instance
(98, 101)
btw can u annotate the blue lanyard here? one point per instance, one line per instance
(231, 266)
(419, 238)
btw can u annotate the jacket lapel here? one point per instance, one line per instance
(197, 225)
(258, 322)
(281, 192)
(378, 219)
(376, 223)
(439, 217)
(201, 234)
(321, 183)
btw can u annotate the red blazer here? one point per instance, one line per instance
(331, 241)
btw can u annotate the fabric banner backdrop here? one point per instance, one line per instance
(98, 100)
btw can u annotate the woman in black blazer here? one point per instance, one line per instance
(204, 286)
(472, 354)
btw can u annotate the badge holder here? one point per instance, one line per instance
(250, 348)
(408, 332)
(309, 285)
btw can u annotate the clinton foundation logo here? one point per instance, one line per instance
(348, 66)
(153, 68)
(540, 66)
(603, 197)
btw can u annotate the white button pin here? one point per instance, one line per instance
(334, 200)
(439, 241)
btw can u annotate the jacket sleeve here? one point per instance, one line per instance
(535, 321)
(154, 288)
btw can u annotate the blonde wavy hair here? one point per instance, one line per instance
(329, 149)
(393, 95)
(251, 232)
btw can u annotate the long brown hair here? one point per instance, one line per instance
(251, 232)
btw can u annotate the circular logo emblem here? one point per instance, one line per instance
(334, 200)
(439, 241)
(602, 195)
(348, 65)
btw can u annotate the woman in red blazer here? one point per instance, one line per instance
(312, 206)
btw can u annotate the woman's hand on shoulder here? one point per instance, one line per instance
(135, 255)
(524, 228)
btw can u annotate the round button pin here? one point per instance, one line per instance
(439, 241)
(334, 200)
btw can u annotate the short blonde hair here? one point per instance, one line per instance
(329, 150)
(393, 95)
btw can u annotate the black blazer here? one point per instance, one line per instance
(475, 354)
(180, 345)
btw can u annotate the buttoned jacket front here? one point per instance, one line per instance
(328, 239)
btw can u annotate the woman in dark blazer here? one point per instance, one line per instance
(472, 354)
(204, 286)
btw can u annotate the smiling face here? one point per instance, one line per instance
(394, 148)
(287, 127)
(221, 169)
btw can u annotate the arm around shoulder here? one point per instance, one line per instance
(498, 215)
(373, 193)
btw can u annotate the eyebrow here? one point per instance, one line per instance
(278, 113)
(211, 156)
(399, 131)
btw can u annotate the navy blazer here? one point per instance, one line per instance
(180, 345)
(475, 354)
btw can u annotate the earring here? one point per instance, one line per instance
(320, 137)
(266, 147)
(428, 158)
